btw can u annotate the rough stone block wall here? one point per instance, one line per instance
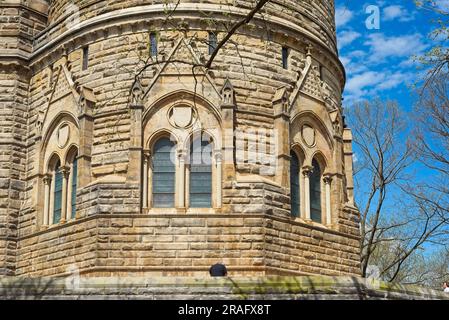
(255, 197)
(252, 233)
(310, 250)
(57, 251)
(104, 198)
(115, 244)
(18, 26)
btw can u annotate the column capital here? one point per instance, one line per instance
(47, 179)
(65, 171)
(146, 153)
(218, 156)
(327, 178)
(181, 154)
(307, 170)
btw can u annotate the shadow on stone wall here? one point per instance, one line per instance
(12, 288)
(273, 287)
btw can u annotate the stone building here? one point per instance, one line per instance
(121, 154)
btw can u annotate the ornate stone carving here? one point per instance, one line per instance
(227, 93)
(63, 135)
(137, 94)
(181, 116)
(308, 135)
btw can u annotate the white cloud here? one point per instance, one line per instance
(345, 60)
(347, 37)
(398, 12)
(357, 54)
(342, 16)
(369, 83)
(382, 47)
(352, 66)
(442, 4)
(358, 83)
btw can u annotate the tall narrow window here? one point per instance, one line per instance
(50, 76)
(200, 192)
(315, 193)
(85, 57)
(294, 184)
(74, 176)
(57, 204)
(285, 53)
(321, 73)
(163, 174)
(212, 42)
(153, 44)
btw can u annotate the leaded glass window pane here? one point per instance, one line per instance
(153, 44)
(200, 174)
(74, 178)
(57, 204)
(212, 42)
(294, 184)
(315, 193)
(163, 174)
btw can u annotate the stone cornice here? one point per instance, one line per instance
(23, 7)
(140, 14)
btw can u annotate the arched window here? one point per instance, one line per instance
(294, 184)
(57, 197)
(74, 176)
(315, 192)
(163, 174)
(200, 178)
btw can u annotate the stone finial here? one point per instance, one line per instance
(227, 94)
(309, 49)
(336, 121)
(137, 93)
(280, 101)
(40, 121)
(86, 99)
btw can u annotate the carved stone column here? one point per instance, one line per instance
(135, 149)
(307, 171)
(65, 172)
(86, 121)
(145, 191)
(135, 167)
(47, 187)
(282, 132)
(327, 179)
(228, 105)
(347, 144)
(218, 182)
(180, 192)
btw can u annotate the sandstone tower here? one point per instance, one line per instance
(120, 153)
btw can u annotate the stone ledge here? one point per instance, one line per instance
(302, 287)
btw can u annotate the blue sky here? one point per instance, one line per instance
(379, 62)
